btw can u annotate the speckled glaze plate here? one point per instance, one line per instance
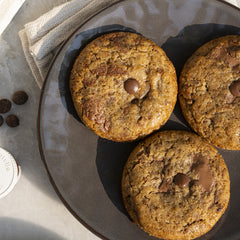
(86, 170)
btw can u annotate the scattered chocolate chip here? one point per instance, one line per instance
(20, 97)
(12, 120)
(235, 88)
(1, 120)
(5, 105)
(131, 85)
(182, 180)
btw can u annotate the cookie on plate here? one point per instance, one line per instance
(209, 91)
(123, 86)
(175, 185)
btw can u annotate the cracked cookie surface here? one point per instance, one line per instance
(175, 185)
(123, 86)
(209, 92)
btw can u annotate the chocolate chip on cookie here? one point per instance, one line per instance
(205, 178)
(182, 180)
(165, 186)
(5, 105)
(221, 53)
(131, 86)
(235, 88)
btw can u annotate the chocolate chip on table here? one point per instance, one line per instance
(20, 97)
(5, 105)
(1, 120)
(12, 120)
(131, 85)
(235, 88)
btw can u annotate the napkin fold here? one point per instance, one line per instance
(42, 37)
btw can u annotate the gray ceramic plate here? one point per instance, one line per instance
(86, 170)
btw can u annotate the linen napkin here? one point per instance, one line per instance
(41, 38)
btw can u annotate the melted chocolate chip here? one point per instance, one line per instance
(20, 97)
(204, 172)
(235, 88)
(131, 85)
(12, 120)
(222, 54)
(1, 120)
(5, 105)
(182, 180)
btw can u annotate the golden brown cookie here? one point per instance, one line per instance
(123, 86)
(175, 185)
(209, 91)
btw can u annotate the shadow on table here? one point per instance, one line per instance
(11, 229)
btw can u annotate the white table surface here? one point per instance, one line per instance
(32, 210)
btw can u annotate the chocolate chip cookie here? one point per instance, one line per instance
(175, 185)
(209, 91)
(123, 86)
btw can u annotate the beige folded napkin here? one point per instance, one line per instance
(41, 38)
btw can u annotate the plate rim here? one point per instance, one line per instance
(59, 50)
